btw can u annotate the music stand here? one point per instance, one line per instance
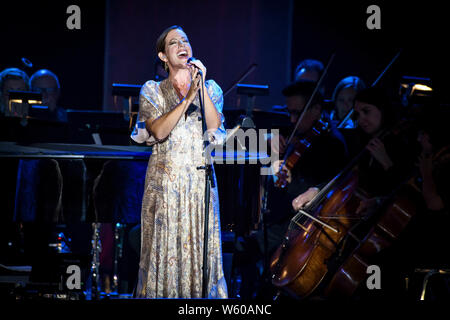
(415, 90)
(20, 101)
(127, 92)
(251, 91)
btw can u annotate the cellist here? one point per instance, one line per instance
(387, 161)
(319, 163)
(426, 242)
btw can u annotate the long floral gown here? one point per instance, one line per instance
(172, 213)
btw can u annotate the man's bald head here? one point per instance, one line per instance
(47, 83)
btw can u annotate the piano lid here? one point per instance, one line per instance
(73, 151)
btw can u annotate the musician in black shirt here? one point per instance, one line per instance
(324, 157)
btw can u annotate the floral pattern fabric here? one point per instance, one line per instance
(172, 214)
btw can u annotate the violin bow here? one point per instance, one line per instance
(327, 187)
(349, 114)
(319, 83)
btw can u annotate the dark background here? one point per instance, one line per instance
(116, 42)
(37, 30)
(320, 28)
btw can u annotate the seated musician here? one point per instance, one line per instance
(11, 79)
(39, 187)
(425, 243)
(47, 83)
(306, 70)
(319, 163)
(388, 161)
(435, 175)
(39, 181)
(343, 100)
(309, 69)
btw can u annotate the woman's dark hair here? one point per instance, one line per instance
(161, 42)
(348, 82)
(378, 97)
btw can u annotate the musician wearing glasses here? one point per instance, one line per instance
(46, 82)
(321, 158)
(11, 79)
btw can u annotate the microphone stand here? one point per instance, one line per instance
(209, 182)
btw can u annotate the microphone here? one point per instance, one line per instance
(189, 61)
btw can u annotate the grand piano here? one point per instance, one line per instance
(94, 149)
(66, 176)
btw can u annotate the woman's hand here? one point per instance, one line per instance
(197, 64)
(378, 151)
(212, 116)
(194, 87)
(161, 127)
(302, 200)
(284, 175)
(425, 164)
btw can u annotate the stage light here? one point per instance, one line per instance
(415, 90)
(421, 87)
(20, 101)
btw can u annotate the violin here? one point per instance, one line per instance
(296, 148)
(317, 233)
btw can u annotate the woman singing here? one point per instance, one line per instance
(173, 203)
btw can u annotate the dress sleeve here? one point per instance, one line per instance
(148, 109)
(218, 136)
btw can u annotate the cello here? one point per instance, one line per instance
(317, 232)
(399, 210)
(298, 266)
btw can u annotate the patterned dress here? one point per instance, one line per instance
(172, 213)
